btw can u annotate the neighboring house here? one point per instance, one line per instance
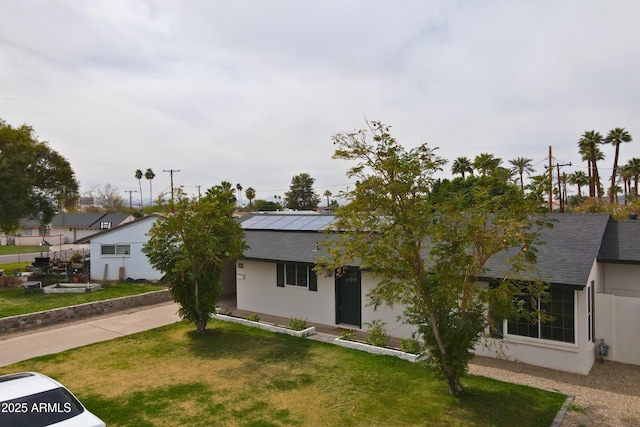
(116, 253)
(593, 279)
(64, 228)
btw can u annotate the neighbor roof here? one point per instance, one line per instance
(119, 227)
(87, 220)
(621, 243)
(567, 256)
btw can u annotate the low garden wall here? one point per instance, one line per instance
(25, 322)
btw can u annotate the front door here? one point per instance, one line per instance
(348, 298)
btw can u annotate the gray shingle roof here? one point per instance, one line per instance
(570, 248)
(621, 243)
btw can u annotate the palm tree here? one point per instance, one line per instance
(520, 166)
(486, 163)
(588, 144)
(624, 172)
(634, 168)
(327, 194)
(150, 175)
(616, 137)
(139, 178)
(239, 189)
(580, 179)
(462, 165)
(251, 194)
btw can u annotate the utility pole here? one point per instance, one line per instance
(130, 198)
(550, 181)
(171, 171)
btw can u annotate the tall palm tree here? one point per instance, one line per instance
(634, 168)
(624, 172)
(239, 189)
(251, 194)
(150, 175)
(616, 137)
(462, 165)
(579, 179)
(486, 163)
(139, 178)
(520, 166)
(327, 194)
(588, 144)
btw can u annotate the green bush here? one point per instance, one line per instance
(376, 335)
(297, 324)
(253, 317)
(410, 345)
(349, 335)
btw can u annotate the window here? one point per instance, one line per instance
(561, 328)
(296, 274)
(26, 232)
(115, 250)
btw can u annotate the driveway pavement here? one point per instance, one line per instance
(56, 339)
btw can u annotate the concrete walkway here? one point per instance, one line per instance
(56, 339)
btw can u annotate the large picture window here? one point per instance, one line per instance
(115, 249)
(561, 307)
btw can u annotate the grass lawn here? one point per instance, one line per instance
(239, 376)
(10, 268)
(15, 301)
(10, 250)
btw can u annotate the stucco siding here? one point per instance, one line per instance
(618, 323)
(136, 264)
(622, 280)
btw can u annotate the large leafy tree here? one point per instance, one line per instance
(191, 245)
(616, 137)
(486, 163)
(301, 195)
(35, 180)
(429, 242)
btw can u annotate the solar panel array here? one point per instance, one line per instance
(288, 222)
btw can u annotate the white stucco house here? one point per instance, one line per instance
(591, 263)
(116, 253)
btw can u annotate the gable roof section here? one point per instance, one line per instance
(621, 244)
(566, 258)
(119, 227)
(87, 220)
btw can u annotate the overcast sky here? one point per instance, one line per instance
(252, 91)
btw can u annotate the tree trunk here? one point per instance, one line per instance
(451, 377)
(201, 325)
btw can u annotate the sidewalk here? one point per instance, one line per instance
(54, 340)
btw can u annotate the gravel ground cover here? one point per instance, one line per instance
(608, 396)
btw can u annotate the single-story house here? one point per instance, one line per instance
(590, 261)
(64, 228)
(116, 253)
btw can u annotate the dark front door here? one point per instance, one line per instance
(348, 299)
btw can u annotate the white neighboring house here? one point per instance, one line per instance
(591, 263)
(116, 253)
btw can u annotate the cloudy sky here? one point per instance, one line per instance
(251, 91)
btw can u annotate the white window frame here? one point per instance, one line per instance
(118, 250)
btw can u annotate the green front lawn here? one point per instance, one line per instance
(239, 376)
(15, 301)
(10, 250)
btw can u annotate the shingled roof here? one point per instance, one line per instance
(621, 243)
(566, 258)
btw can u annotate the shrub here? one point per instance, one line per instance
(297, 324)
(410, 345)
(349, 335)
(376, 335)
(253, 317)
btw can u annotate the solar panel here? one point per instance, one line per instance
(289, 222)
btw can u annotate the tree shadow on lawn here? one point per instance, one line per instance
(222, 340)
